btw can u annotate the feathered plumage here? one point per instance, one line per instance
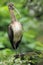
(14, 29)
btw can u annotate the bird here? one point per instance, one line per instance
(15, 28)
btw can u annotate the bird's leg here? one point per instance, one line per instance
(19, 50)
(15, 48)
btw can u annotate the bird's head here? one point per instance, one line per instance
(11, 6)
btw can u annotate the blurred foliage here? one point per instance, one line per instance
(31, 12)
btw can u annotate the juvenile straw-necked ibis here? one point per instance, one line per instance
(15, 28)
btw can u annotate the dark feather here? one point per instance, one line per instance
(17, 44)
(10, 34)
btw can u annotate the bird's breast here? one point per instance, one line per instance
(17, 31)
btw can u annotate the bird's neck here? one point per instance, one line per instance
(12, 15)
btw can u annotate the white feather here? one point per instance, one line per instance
(17, 29)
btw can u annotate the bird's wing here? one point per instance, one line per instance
(17, 44)
(10, 34)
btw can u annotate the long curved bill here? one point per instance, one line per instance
(17, 12)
